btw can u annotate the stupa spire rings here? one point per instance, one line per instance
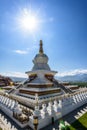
(41, 47)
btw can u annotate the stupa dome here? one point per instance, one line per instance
(40, 58)
(40, 61)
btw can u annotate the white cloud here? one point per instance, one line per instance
(20, 51)
(15, 74)
(27, 50)
(66, 73)
(72, 72)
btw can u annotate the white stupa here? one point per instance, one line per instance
(40, 80)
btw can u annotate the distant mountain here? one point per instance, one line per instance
(73, 78)
(17, 79)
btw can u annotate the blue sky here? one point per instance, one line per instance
(62, 26)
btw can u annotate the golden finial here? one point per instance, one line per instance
(41, 47)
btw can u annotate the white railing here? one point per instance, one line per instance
(5, 125)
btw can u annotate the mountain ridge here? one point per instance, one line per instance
(17, 79)
(73, 78)
(67, 78)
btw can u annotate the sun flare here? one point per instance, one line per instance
(28, 21)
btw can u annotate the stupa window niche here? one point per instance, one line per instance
(32, 76)
(49, 77)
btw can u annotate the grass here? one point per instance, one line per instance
(1, 88)
(80, 124)
(80, 84)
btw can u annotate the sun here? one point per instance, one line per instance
(28, 21)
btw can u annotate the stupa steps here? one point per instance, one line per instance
(21, 85)
(65, 89)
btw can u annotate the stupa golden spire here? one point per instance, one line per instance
(41, 47)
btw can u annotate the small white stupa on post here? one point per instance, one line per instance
(16, 111)
(36, 112)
